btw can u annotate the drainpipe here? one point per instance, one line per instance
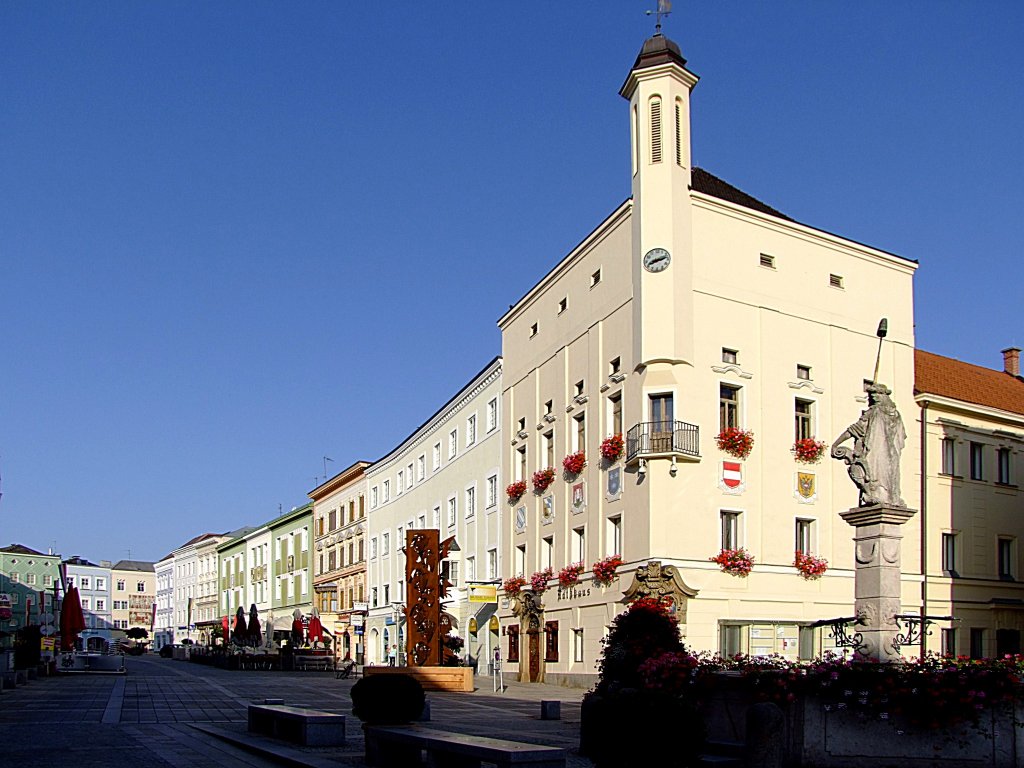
(924, 521)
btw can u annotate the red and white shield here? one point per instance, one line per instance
(732, 474)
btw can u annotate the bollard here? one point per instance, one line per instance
(551, 710)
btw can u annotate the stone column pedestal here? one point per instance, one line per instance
(877, 577)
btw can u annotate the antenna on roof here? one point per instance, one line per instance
(664, 9)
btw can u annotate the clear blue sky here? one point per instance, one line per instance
(237, 237)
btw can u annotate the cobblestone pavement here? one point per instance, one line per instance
(173, 713)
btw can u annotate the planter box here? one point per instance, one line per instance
(459, 679)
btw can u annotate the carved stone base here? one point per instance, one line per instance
(877, 578)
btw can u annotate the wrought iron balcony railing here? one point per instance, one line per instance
(662, 438)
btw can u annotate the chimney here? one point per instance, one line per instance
(1011, 361)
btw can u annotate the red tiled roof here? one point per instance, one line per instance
(938, 375)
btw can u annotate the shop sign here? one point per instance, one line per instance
(363, 607)
(472, 625)
(493, 624)
(357, 620)
(483, 593)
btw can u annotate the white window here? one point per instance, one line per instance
(730, 529)
(101, 583)
(492, 414)
(492, 491)
(385, 543)
(408, 476)
(423, 522)
(470, 502)
(373, 497)
(30, 578)
(470, 569)
(437, 517)
(140, 586)
(386, 491)
(101, 604)
(400, 484)
(120, 585)
(86, 582)
(492, 564)
(86, 604)
(47, 580)
(547, 552)
(400, 539)
(437, 456)
(421, 467)
(804, 536)
(579, 544)
(577, 645)
(453, 443)
(520, 559)
(471, 430)
(615, 535)
(452, 509)
(453, 572)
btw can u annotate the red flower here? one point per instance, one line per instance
(542, 478)
(515, 490)
(612, 447)
(810, 567)
(735, 441)
(574, 462)
(570, 575)
(604, 570)
(738, 562)
(513, 585)
(539, 580)
(808, 450)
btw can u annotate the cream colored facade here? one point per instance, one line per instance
(780, 315)
(339, 563)
(206, 615)
(133, 594)
(972, 459)
(446, 475)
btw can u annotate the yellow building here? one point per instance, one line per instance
(972, 432)
(693, 308)
(339, 558)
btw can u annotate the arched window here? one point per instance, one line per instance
(655, 130)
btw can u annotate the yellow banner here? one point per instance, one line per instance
(47, 644)
(483, 593)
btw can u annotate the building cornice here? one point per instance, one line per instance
(339, 481)
(972, 409)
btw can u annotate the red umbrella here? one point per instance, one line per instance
(72, 621)
(225, 625)
(240, 633)
(316, 629)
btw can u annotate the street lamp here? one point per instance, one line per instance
(398, 612)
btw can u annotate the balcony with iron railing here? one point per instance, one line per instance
(663, 439)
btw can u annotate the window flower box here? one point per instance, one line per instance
(513, 585)
(515, 491)
(735, 441)
(542, 479)
(808, 450)
(737, 562)
(612, 448)
(570, 575)
(604, 570)
(574, 462)
(539, 580)
(810, 566)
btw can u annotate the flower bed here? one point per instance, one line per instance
(604, 570)
(513, 585)
(543, 478)
(515, 491)
(539, 580)
(810, 566)
(808, 450)
(737, 562)
(612, 448)
(570, 575)
(735, 441)
(574, 462)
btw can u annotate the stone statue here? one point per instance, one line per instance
(878, 439)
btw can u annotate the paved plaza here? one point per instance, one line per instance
(173, 713)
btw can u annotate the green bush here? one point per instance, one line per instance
(387, 698)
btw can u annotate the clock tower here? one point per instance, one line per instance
(658, 89)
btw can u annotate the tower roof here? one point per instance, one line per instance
(656, 51)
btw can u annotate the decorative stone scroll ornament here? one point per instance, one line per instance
(428, 624)
(661, 581)
(874, 460)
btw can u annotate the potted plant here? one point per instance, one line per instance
(515, 491)
(513, 585)
(612, 448)
(539, 580)
(574, 463)
(808, 450)
(570, 575)
(604, 570)
(737, 562)
(810, 566)
(735, 441)
(543, 478)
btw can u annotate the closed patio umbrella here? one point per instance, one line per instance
(255, 637)
(72, 620)
(225, 625)
(316, 629)
(297, 632)
(239, 634)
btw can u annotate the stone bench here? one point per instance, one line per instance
(305, 662)
(402, 746)
(308, 727)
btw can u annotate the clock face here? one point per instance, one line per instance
(657, 259)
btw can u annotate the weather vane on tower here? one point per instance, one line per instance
(664, 9)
